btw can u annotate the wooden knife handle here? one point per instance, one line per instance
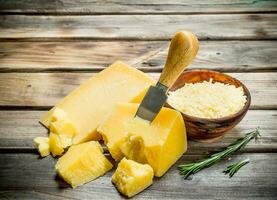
(182, 50)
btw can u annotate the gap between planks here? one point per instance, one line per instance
(126, 39)
(134, 7)
(121, 39)
(51, 13)
(45, 108)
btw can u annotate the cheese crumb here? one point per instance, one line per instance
(208, 99)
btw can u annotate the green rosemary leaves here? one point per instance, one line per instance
(232, 169)
(192, 168)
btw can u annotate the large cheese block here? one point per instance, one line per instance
(159, 144)
(83, 163)
(131, 177)
(85, 107)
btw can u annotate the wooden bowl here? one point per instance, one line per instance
(204, 129)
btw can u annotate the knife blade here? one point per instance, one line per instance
(182, 50)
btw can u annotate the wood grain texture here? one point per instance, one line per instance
(46, 89)
(134, 6)
(140, 27)
(64, 35)
(82, 55)
(19, 128)
(256, 180)
(226, 56)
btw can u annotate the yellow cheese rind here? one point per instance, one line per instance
(160, 144)
(83, 163)
(56, 146)
(42, 145)
(131, 177)
(90, 103)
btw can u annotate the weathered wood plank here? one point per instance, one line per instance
(134, 6)
(83, 55)
(46, 89)
(235, 56)
(257, 180)
(231, 56)
(19, 128)
(140, 27)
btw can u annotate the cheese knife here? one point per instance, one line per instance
(182, 50)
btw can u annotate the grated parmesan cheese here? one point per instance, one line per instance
(208, 99)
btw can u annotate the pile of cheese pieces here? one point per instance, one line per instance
(104, 107)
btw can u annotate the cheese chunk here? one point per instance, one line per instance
(89, 104)
(65, 141)
(56, 146)
(39, 140)
(42, 145)
(83, 163)
(160, 144)
(63, 127)
(131, 177)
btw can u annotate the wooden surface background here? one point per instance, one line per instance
(47, 48)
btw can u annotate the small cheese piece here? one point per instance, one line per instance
(63, 126)
(56, 146)
(62, 129)
(90, 103)
(65, 141)
(131, 177)
(42, 145)
(160, 144)
(39, 140)
(53, 115)
(83, 163)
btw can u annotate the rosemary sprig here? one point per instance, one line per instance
(232, 169)
(192, 168)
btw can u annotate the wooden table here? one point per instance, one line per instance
(49, 48)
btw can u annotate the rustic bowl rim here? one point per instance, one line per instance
(243, 110)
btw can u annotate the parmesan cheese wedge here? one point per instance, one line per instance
(85, 107)
(159, 144)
